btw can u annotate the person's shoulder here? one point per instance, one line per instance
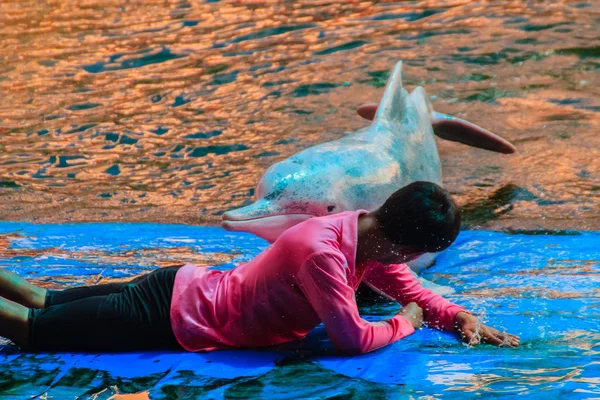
(334, 218)
(313, 238)
(328, 226)
(315, 230)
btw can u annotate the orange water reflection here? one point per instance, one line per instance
(146, 110)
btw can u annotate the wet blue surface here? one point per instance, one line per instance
(544, 288)
(193, 101)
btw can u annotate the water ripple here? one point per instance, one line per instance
(171, 111)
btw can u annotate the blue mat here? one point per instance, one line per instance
(544, 288)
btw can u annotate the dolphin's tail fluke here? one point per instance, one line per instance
(458, 130)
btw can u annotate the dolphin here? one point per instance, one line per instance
(361, 170)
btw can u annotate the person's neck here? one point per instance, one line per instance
(367, 233)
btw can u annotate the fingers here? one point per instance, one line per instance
(497, 338)
(491, 338)
(469, 337)
(508, 340)
(367, 111)
(514, 340)
(472, 338)
(414, 308)
(413, 313)
(474, 335)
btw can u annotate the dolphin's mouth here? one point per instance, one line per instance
(268, 227)
(240, 218)
(235, 223)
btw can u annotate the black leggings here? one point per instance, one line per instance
(128, 316)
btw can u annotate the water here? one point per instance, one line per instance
(544, 288)
(171, 111)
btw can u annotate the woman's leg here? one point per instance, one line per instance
(14, 322)
(18, 290)
(54, 297)
(136, 318)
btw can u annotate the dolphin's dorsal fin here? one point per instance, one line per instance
(399, 112)
(392, 107)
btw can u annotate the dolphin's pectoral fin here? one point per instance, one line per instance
(435, 288)
(458, 130)
(367, 111)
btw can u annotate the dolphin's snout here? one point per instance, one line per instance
(260, 209)
(227, 225)
(228, 216)
(268, 227)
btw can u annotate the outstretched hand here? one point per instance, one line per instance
(473, 332)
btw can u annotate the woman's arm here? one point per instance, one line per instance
(323, 281)
(397, 282)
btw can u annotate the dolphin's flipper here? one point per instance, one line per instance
(458, 130)
(422, 263)
(434, 287)
(367, 111)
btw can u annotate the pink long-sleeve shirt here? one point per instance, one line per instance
(306, 277)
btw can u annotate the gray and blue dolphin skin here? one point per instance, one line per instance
(361, 170)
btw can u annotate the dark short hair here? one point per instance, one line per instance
(422, 216)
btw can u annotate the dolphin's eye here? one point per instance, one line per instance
(330, 208)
